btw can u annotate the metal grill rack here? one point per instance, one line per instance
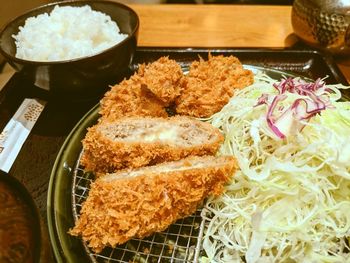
(181, 242)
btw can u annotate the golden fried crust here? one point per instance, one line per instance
(102, 154)
(129, 98)
(162, 78)
(121, 209)
(210, 85)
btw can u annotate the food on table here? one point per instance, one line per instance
(140, 141)
(137, 203)
(134, 131)
(146, 93)
(66, 33)
(163, 78)
(205, 90)
(129, 98)
(210, 84)
(290, 199)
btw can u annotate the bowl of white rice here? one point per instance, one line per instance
(72, 49)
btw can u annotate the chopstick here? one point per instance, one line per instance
(17, 130)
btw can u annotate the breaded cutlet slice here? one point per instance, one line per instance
(130, 98)
(139, 141)
(136, 203)
(210, 84)
(163, 78)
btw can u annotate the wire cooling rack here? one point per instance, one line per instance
(181, 242)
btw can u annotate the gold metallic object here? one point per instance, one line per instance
(323, 24)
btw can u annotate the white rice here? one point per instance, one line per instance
(66, 33)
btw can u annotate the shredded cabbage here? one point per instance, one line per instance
(290, 200)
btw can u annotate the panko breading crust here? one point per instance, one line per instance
(138, 206)
(146, 93)
(162, 78)
(102, 155)
(204, 91)
(129, 98)
(210, 85)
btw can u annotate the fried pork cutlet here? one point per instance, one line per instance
(210, 85)
(140, 141)
(162, 78)
(129, 98)
(137, 203)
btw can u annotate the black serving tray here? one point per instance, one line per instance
(35, 161)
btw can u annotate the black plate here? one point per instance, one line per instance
(36, 159)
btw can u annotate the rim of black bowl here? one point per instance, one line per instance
(26, 199)
(67, 3)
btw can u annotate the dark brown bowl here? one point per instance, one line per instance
(82, 78)
(24, 236)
